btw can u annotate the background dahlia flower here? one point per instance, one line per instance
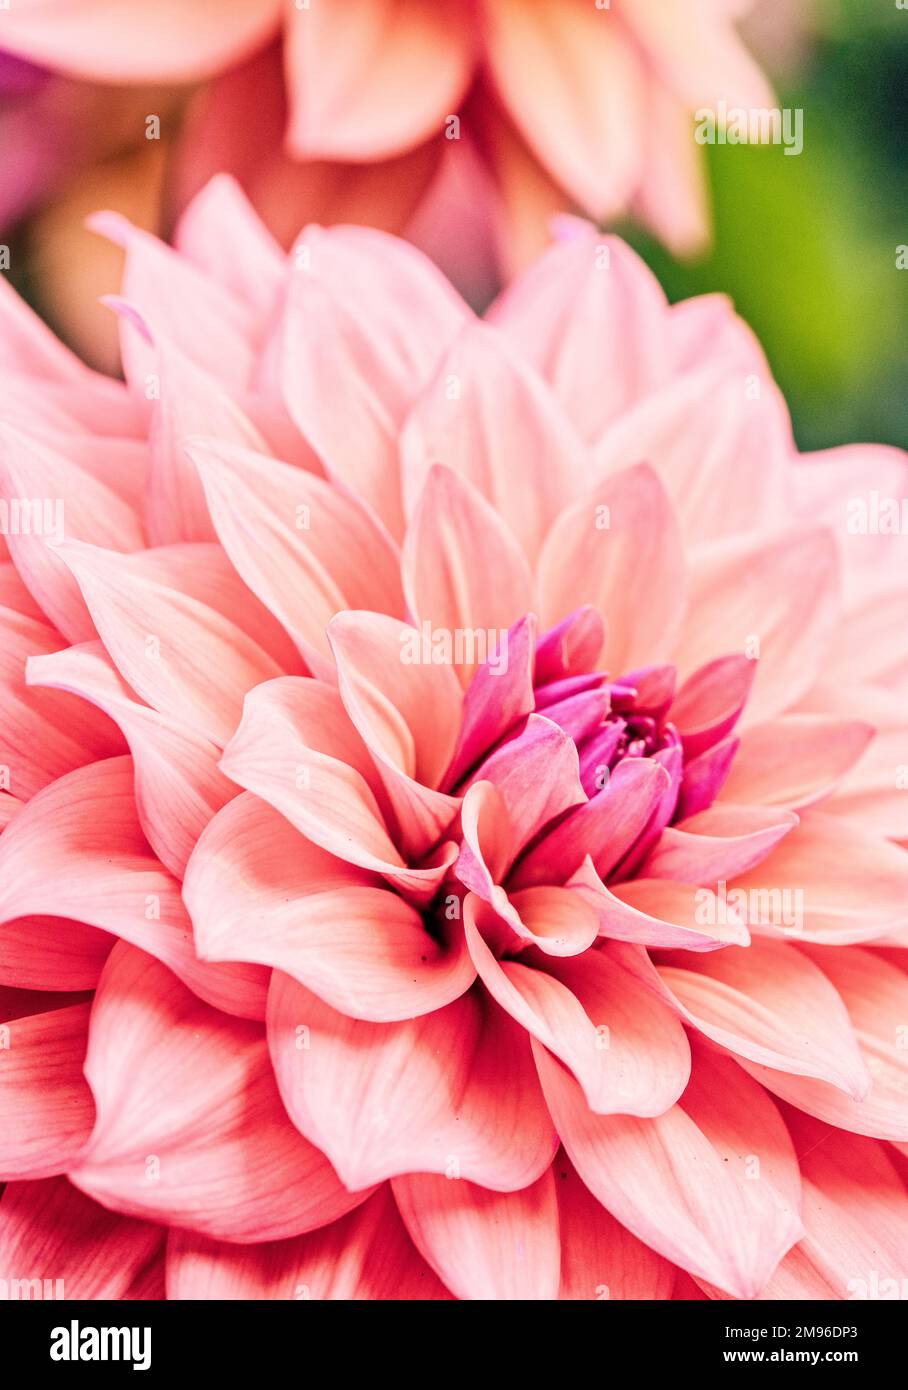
(451, 793)
(344, 109)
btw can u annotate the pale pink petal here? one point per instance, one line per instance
(371, 78)
(408, 713)
(463, 571)
(658, 912)
(794, 760)
(593, 320)
(365, 1255)
(482, 1244)
(188, 400)
(306, 548)
(684, 1182)
(620, 551)
(872, 793)
(875, 994)
(185, 659)
(585, 75)
(172, 301)
(249, 262)
(46, 1109)
(855, 1215)
(698, 56)
(483, 410)
(772, 599)
(165, 40)
(814, 885)
(720, 441)
(766, 1003)
(626, 1049)
(453, 1092)
(190, 1128)
(257, 891)
(84, 508)
(352, 363)
(52, 1232)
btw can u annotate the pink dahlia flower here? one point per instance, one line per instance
(563, 101)
(452, 792)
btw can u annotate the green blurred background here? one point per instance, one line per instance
(806, 246)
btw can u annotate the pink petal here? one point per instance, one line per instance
(681, 1182)
(297, 750)
(625, 1048)
(573, 647)
(190, 1128)
(819, 874)
(854, 1209)
(794, 760)
(52, 1231)
(658, 912)
(365, 1255)
(698, 55)
(619, 550)
(574, 62)
(499, 696)
(282, 528)
(43, 734)
(46, 1109)
(869, 793)
(190, 401)
(767, 1004)
(451, 1092)
(87, 509)
(257, 891)
(485, 1245)
(463, 572)
(177, 782)
(710, 701)
(184, 658)
(718, 843)
(483, 409)
(593, 319)
(166, 41)
(605, 827)
(704, 778)
(408, 714)
(875, 995)
(722, 453)
(775, 598)
(352, 365)
(600, 1259)
(249, 263)
(371, 79)
(77, 850)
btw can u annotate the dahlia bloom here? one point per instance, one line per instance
(564, 102)
(451, 793)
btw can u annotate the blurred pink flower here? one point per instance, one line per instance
(360, 105)
(445, 963)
